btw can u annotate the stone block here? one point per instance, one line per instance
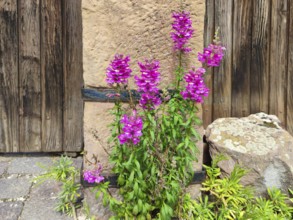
(258, 144)
(29, 165)
(14, 187)
(10, 210)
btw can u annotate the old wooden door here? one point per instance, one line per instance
(257, 71)
(41, 107)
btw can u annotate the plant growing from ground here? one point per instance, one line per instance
(226, 198)
(154, 144)
(65, 173)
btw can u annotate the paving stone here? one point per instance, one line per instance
(96, 207)
(41, 209)
(10, 210)
(77, 162)
(3, 166)
(5, 158)
(14, 187)
(29, 165)
(41, 203)
(46, 190)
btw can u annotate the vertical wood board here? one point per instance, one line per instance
(51, 75)
(73, 80)
(208, 38)
(29, 76)
(9, 102)
(222, 74)
(242, 24)
(290, 73)
(278, 59)
(260, 62)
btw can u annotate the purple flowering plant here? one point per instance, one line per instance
(154, 139)
(94, 176)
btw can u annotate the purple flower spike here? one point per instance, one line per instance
(118, 70)
(131, 130)
(149, 100)
(212, 55)
(195, 89)
(147, 84)
(183, 31)
(93, 176)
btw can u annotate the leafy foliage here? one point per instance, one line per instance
(226, 198)
(64, 172)
(154, 173)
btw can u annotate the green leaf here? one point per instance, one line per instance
(152, 133)
(131, 177)
(135, 188)
(135, 210)
(186, 142)
(121, 180)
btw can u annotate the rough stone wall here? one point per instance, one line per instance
(139, 28)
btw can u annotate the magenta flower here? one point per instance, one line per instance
(131, 130)
(195, 89)
(93, 176)
(183, 31)
(147, 84)
(149, 100)
(212, 55)
(118, 70)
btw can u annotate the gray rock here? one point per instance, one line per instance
(46, 190)
(77, 162)
(10, 210)
(41, 203)
(29, 165)
(14, 187)
(5, 158)
(3, 167)
(96, 207)
(257, 143)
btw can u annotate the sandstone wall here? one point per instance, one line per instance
(139, 28)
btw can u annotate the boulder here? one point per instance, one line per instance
(257, 143)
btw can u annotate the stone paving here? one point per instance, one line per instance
(20, 197)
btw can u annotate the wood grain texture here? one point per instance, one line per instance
(278, 59)
(9, 97)
(73, 76)
(102, 94)
(222, 75)
(51, 75)
(241, 58)
(29, 76)
(209, 32)
(290, 74)
(260, 62)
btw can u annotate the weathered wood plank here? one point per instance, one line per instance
(290, 74)
(51, 75)
(102, 94)
(198, 177)
(9, 95)
(209, 31)
(259, 76)
(278, 59)
(73, 78)
(241, 58)
(222, 75)
(108, 95)
(29, 76)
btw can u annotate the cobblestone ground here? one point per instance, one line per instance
(20, 197)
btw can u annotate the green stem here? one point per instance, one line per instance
(179, 77)
(118, 117)
(74, 211)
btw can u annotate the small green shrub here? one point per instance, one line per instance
(64, 172)
(226, 198)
